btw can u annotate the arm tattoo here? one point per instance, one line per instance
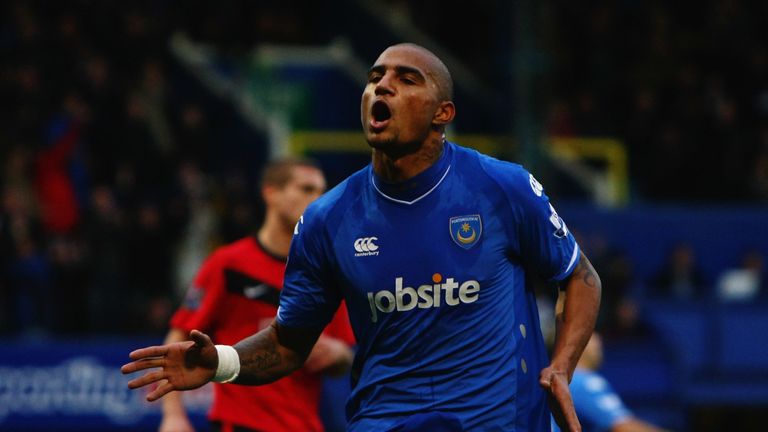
(585, 271)
(261, 354)
(261, 361)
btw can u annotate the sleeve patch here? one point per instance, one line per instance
(561, 230)
(538, 189)
(194, 298)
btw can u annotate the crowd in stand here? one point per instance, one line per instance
(684, 87)
(110, 200)
(679, 281)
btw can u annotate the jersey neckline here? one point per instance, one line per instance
(419, 187)
(274, 256)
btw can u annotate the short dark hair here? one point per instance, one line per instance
(439, 71)
(279, 172)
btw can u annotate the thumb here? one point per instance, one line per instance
(545, 379)
(201, 339)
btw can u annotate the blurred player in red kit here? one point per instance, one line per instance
(236, 293)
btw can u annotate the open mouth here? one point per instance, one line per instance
(380, 114)
(380, 111)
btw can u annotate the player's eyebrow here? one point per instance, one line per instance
(400, 70)
(403, 70)
(377, 69)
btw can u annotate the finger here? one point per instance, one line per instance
(143, 364)
(161, 390)
(545, 380)
(153, 351)
(565, 401)
(571, 418)
(148, 378)
(201, 339)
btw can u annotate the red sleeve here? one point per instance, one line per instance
(57, 155)
(198, 308)
(339, 326)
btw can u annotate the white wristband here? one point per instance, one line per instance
(229, 364)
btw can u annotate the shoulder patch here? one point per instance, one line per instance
(538, 189)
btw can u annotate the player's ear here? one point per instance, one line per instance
(444, 114)
(268, 193)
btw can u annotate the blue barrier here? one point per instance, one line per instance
(76, 385)
(742, 332)
(686, 329)
(73, 385)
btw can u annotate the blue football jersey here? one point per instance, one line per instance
(597, 406)
(433, 271)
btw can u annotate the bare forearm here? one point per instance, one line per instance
(342, 365)
(173, 404)
(577, 321)
(266, 357)
(635, 425)
(330, 356)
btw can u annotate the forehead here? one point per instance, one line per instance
(405, 56)
(303, 174)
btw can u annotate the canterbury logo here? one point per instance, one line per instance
(365, 246)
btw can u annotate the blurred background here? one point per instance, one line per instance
(132, 135)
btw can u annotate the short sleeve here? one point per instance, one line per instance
(339, 327)
(308, 298)
(542, 239)
(197, 310)
(596, 403)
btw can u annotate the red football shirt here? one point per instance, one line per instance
(234, 295)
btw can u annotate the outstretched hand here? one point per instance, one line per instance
(559, 398)
(183, 365)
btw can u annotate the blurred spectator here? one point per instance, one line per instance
(100, 89)
(17, 176)
(136, 148)
(29, 280)
(617, 275)
(153, 95)
(193, 205)
(759, 181)
(685, 86)
(746, 282)
(194, 137)
(105, 234)
(149, 246)
(560, 120)
(55, 187)
(69, 280)
(680, 278)
(619, 316)
(598, 406)
(620, 277)
(629, 324)
(240, 217)
(24, 278)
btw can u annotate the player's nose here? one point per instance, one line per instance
(384, 86)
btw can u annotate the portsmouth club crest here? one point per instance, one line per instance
(466, 230)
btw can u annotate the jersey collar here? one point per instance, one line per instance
(274, 256)
(415, 189)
